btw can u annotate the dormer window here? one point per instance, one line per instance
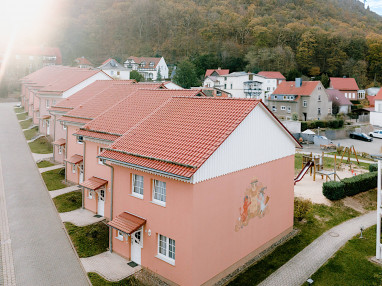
(151, 64)
(143, 64)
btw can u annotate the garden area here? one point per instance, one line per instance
(25, 124)
(68, 202)
(22, 116)
(45, 164)
(19, 109)
(54, 179)
(97, 280)
(30, 133)
(41, 146)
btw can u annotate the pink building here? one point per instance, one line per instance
(347, 86)
(102, 100)
(195, 188)
(50, 84)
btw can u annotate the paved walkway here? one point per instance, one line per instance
(42, 170)
(41, 251)
(35, 138)
(80, 217)
(297, 270)
(60, 192)
(39, 157)
(109, 265)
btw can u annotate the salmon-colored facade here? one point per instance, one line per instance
(73, 147)
(202, 219)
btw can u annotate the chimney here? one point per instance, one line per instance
(298, 82)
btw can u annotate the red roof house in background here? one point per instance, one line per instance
(216, 72)
(272, 74)
(348, 86)
(83, 63)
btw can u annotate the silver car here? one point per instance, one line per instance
(376, 134)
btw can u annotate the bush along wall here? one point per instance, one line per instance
(360, 183)
(334, 124)
(333, 190)
(373, 167)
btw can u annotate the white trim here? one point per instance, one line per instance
(119, 235)
(156, 201)
(166, 257)
(136, 194)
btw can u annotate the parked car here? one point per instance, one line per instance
(376, 134)
(360, 136)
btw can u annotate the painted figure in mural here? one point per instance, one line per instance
(255, 203)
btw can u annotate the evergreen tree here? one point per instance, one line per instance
(185, 75)
(137, 76)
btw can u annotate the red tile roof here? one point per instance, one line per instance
(59, 142)
(378, 96)
(272, 74)
(219, 71)
(108, 60)
(93, 183)
(341, 83)
(147, 60)
(82, 61)
(102, 101)
(130, 111)
(288, 87)
(371, 100)
(75, 159)
(178, 139)
(337, 97)
(127, 222)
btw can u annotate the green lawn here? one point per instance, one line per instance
(19, 109)
(44, 164)
(25, 124)
(41, 146)
(351, 156)
(29, 134)
(319, 219)
(97, 280)
(350, 265)
(68, 202)
(53, 179)
(22, 116)
(89, 240)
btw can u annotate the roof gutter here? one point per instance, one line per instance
(111, 204)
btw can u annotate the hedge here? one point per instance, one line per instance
(333, 190)
(360, 183)
(373, 167)
(334, 124)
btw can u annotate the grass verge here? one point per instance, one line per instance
(89, 240)
(22, 116)
(25, 124)
(41, 146)
(19, 109)
(350, 265)
(68, 202)
(318, 220)
(45, 164)
(97, 280)
(53, 179)
(29, 134)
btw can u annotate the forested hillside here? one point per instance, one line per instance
(335, 37)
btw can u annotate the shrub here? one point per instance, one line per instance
(320, 123)
(311, 124)
(301, 208)
(360, 183)
(333, 190)
(373, 167)
(304, 126)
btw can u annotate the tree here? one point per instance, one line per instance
(185, 75)
(306, 51)
(292, 75)
(325, 80)
(159, 76)
(137, 76)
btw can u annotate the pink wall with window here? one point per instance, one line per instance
(72, 148)
(214, 223)
(58, 133)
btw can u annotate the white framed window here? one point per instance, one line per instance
(329, 110)
(285, 97)
(305, 103)
(47, 103)
(289, 109)
(80, 140)
(100, 161)
(282, 107)
(274, 108)
(159, 192)
(90, 194)
(73, 168)
(268, 88)
(346, 94)
(319, 97)
(319, 111)
(166, 249)
(275, 97)
(63, 126)
(60, 150)
(137, 186)
(353, 95)
(119, 235)
(53, 102)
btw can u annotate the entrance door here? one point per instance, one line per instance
(101, 203)
(136, 246)
(47, 127)
(81, 173)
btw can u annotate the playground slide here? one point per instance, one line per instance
(303, 172)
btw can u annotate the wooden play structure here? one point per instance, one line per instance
(348, 151)
(315, 163)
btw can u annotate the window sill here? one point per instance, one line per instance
(159, 203)
(136, 196)
(166, 259)
(119, 238)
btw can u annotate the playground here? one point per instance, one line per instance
(316, 169)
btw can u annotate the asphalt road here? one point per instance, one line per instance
(41, 251)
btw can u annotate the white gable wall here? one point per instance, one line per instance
(98, 76)
(257, 140)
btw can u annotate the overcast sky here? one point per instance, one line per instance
(375, 5)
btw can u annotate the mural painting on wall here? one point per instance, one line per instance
(255, 204)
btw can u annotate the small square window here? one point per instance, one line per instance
(289, 109)
(80, 139)
(100, 160)
(283, 108)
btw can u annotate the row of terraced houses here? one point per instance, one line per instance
(186, 182)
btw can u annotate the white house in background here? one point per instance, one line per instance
(246, 85)
(376, 115)
(171, 85)
(114, 69)
(148, 67)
